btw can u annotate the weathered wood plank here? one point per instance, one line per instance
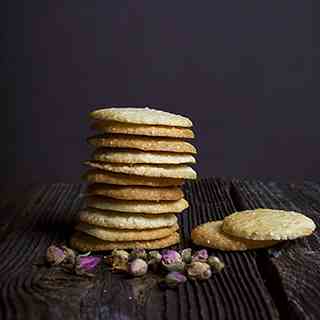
(292, 271)
(29, 291)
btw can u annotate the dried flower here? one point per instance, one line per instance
(70, 259)
(154, 258)
(173, 279)
(172, 261)
(197, 270)
(138, 267)
(119, 260)
(200, 255)
(215, 263)
(84, 265)
(55, 255)
(171, 256)
(154, 255)
(138, 253)
(186, 255)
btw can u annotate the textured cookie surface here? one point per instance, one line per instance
(178, 171)
(123, 220)
(143, 130)
(126, 234)
(135, 156)
(142, 143)
(108, 177)
(268, 224)
(141, 116)
(211, 235)
(83, 242)
(147, 207)
(135, 192)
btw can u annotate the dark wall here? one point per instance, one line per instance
(246, 72)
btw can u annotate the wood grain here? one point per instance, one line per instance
(249, 288)
(293, 267)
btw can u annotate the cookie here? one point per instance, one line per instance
(142, 143)
(178, 171)
(268, 224)
(142, 130)
(148, 207)
(123, 220)
(125, 234)
(211, 235)
(135, 156)
(140, 116)
(83, 242)
(135, 192)
(102, 176)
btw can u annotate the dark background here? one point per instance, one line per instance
(246, 73)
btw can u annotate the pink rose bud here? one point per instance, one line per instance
(55, 255)
(200, 255)
(88, 263)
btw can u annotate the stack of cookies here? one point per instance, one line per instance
(134, 180)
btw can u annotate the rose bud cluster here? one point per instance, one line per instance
(79, 264)
(176, 267)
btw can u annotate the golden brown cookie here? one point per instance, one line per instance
(135, 192)
(142, 129)
(177, 171)
(135, 156)
(140, 116)
(124, 220)
(126, 234)
(142, 143)
(268, 224)
(147, 207)
(108, 177)
(83, 242)
(211, 235)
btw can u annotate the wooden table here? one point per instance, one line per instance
(279, 283)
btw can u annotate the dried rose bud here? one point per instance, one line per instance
(172, 261)
(200, 255)
(70, 259)
(154, 258)
(186, 255)
(170, 257)
(215, 263)
(197, 270)
(138, 253)
(173, 279)
(154, 255)
(138, 267)
(55, 255)
(119, 260)
(84, 265)
(89, 263)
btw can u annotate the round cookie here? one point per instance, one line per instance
(268, 224)
(147, 207)
(102, 176)
(135, 156)
(211, 235)
(142, 130)
(123, 220)
(178, 171)
(135, 192)
(142, 143)
(125, 234)
(140, 116)
(83, 242)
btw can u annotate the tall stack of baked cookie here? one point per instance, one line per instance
(134, 180)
